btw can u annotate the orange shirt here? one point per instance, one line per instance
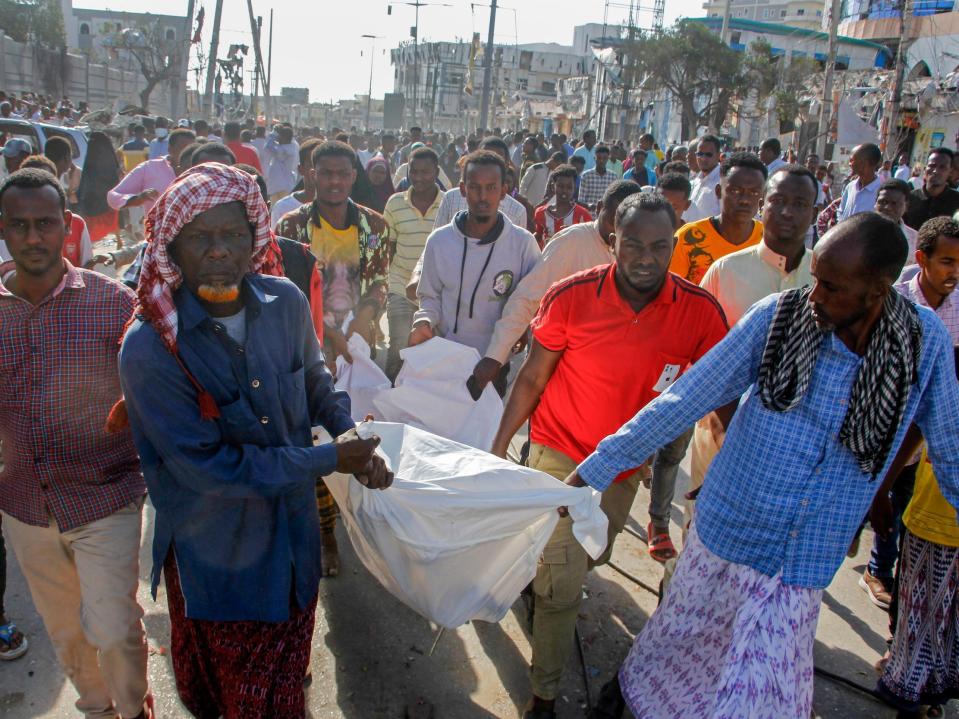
(615, 360)
(698, 245)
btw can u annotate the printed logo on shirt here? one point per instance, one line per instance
(503, 283)
(372, 241)
(669, 375)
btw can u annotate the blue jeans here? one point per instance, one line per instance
(885, 551)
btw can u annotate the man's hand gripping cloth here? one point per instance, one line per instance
(460, 532)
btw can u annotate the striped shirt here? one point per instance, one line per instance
(410, 230)
(454, 202)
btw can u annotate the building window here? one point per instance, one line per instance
(782, 13)
(84, 29)
(736, 38)
(525, 60)
(549, 87)
(170, 34)
(801, 11)
(522, 83)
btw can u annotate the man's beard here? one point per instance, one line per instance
(218, 294)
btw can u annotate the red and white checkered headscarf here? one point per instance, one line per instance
(195, 191)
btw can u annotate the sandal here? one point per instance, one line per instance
(9, 632)
(661, 547)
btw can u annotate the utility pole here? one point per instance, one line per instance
(254, 28)
(724, 32)
(825, 112)
(890, 140)
(488, 66)
(211, 66)
(254, 98)
(369, 92)
(269, 60)
(184, 63)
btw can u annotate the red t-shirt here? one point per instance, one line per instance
(615, 361)
(246, 155)
(547, 224)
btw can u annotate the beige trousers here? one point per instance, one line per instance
(558, 585)
(84, 585)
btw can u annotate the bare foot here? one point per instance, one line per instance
(331, 556)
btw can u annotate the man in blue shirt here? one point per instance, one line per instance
(223, 379)
(828, 381)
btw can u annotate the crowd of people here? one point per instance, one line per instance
(795, 330)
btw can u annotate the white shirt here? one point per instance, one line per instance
(775, 165)
(533, 184)
(856, 198)
(453, 202)
(280, 162)
(740, 279)
(281, 207)
(903, 173)
(911, 237)
(704, 202)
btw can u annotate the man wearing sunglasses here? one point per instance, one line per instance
(704, 201)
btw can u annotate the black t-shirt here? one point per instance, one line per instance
(923, 207)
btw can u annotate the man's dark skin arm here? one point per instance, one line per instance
(528, 388)
(880, 514)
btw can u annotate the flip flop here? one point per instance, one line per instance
(7, 633)
(661, 547)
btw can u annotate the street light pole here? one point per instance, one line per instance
(488, 65)
(416, 41)
(369, 92)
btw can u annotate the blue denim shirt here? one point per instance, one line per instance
(784, 495)
(235, 495)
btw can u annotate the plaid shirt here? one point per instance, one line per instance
(592, 185)
(783, 494)
(58, 370)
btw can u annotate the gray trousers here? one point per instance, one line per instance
(663, 482)
(399, 316)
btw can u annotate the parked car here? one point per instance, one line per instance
(37, 134)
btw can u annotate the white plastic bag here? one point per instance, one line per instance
(363, 379)
(460, 532)
(431, 394)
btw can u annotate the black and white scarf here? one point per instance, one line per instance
(879, 394)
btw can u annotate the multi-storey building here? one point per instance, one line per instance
(796, 13)
(442, 87)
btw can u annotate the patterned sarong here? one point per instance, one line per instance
(728, 642)
(924, 659)
(238, 670)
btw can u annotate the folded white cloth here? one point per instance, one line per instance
(460, 532)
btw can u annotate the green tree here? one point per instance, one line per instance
(703, 74)
(41, 19)
(157, 57)
(775, 76)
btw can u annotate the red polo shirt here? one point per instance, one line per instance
(615, 361)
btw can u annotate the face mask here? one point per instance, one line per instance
(160, 132)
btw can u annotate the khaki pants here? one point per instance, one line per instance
(84, 584)
(558, 586)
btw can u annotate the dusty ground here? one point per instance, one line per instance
(370, 653)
